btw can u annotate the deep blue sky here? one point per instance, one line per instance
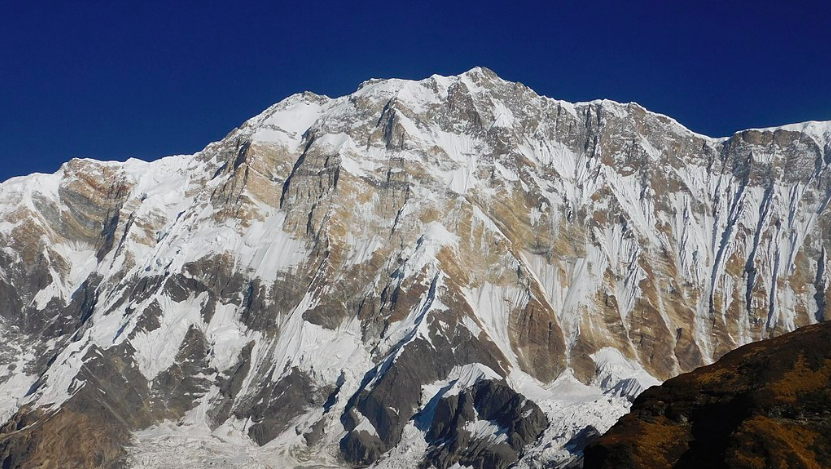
(114, 79)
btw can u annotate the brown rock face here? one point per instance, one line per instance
(66, 439)
(765, 405)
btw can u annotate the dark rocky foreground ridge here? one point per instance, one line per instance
(421, 273)
(765, 405)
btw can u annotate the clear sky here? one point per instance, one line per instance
(114, 79)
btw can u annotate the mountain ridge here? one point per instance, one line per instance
(762, 405)
(824, 126)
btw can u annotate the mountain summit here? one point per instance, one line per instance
(449, 271)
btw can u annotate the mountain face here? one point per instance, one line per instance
(450, 271)
(765, 405)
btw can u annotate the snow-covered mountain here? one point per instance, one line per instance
(422, 273)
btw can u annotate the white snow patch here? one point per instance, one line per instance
(619, 376)
(156, 350)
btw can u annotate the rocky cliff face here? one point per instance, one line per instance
(765, 405)
(454, 270)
